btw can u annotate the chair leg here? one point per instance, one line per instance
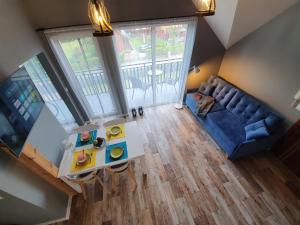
(131, 175)
(175, 89)
(113, 181)
(132, 93)
(145, 94)
(98, 179)
(82, 186)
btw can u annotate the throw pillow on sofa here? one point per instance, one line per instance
(206, 88)
(256, 130)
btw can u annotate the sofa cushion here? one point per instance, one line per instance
(215, 80)
(256, 130)
(223, 93)
(206, 88)
(217, 107)
(226, 129)
(212, 80)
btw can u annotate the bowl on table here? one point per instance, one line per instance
(115, 130)
(116, 153)
(85, 136)
(82, 159)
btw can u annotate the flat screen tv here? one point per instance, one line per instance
(20, 107)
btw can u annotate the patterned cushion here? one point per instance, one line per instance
(206, 88)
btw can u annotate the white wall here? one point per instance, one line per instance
(252, 14)
(222, 21)
(266, 63)
(47, 135)
(18, 41)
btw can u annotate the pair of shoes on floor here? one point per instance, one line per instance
(140, 110)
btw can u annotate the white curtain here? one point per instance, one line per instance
(79, 56)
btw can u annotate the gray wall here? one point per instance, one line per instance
(266, 63)
(47, 135)
(24, 186)
(25, 191)
(18, 42)
(16, 211)
(208, 50)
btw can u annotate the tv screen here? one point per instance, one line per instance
(20, 107)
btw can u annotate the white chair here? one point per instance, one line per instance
(83, 179)
(114, 122)
(123, 167)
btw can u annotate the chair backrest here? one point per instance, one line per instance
(136, 83)
(86, 127)
(83, 177)
(114, 122)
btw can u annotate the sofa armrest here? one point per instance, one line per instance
(254, 146)
(192, 90)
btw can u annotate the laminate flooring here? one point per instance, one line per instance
(190, 181)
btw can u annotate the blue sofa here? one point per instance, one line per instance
(232, 112)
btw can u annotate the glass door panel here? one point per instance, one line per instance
(151, 61)
(134, 51)
(81, 61)
(169, 50)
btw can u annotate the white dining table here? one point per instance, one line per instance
(134, 138)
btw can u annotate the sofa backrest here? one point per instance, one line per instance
(223, 91)
(250, 110)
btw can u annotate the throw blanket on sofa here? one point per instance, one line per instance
(204, 104)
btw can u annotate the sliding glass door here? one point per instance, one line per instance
(152, 59)
(81, 61)
(151, 67)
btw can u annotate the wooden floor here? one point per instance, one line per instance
(190, 181)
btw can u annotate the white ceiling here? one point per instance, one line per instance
(235, 19)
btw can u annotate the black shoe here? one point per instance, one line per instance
(133, 111)
(141, 111)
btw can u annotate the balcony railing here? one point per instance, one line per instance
(94, 82)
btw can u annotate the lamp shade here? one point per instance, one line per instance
(205, 7)
(99, 18)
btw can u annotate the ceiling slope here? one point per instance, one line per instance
(235, 19)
